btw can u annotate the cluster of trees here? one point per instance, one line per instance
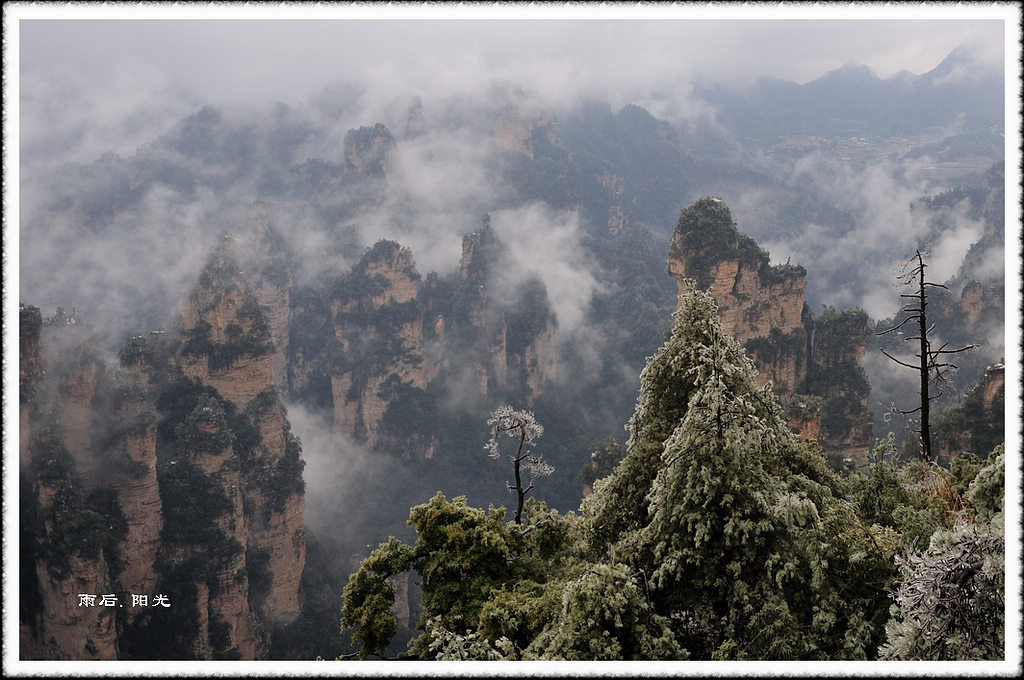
(719, 535)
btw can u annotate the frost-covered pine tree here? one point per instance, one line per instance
(719, 535)
(667, 383)
(735, 526)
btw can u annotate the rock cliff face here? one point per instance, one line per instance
(539, 358)
(811, 363)
(137, 486)
(69, 531)
(69, 631)
(30, 373)
(993, 386)
(267, 269)
(378, 328)
(973, 315)
(978, 423)
(222, 597)
(237, 363)
(837, 341)
(758, 304)
(228, 344)
(388, 342)
(617, 220)
(77, 391)
(369, 151)
(170, 482)
(502, 344)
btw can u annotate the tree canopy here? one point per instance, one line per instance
(719, 535)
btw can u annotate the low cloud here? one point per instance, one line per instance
(128, 278)
(853, 268)
(343, 483)
(545, 243)
(440, 189)
(945, 255)
(71, 116)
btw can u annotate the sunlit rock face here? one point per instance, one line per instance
(228, 343)
(238, 362)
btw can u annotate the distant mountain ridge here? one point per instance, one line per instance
(959, 93)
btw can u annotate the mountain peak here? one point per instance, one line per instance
(851, 69)
(965, 60)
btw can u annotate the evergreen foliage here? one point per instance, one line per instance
(239, 343)
(972, 423)
(740, 527)
(833, 371)
(707, 235)
(950, 603)
(368, 597)
(603, 460)
(987, 492)
(719, 535)
(72, 523)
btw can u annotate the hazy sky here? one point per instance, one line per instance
(121, 72)
(287, 57)
(94, 79)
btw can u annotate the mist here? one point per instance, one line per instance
(440, 188)
(112, 113)
(546, 244)
(342, 478)
(854, 268)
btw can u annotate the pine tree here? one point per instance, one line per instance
(719, 535)
(666, 385)
(739, 530)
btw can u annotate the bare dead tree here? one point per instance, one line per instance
(932, 364)
(524, 426)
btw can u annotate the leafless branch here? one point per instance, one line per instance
(898, 361)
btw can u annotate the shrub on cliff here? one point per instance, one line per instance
(951, 601)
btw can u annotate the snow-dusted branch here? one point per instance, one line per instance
(521, 425)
